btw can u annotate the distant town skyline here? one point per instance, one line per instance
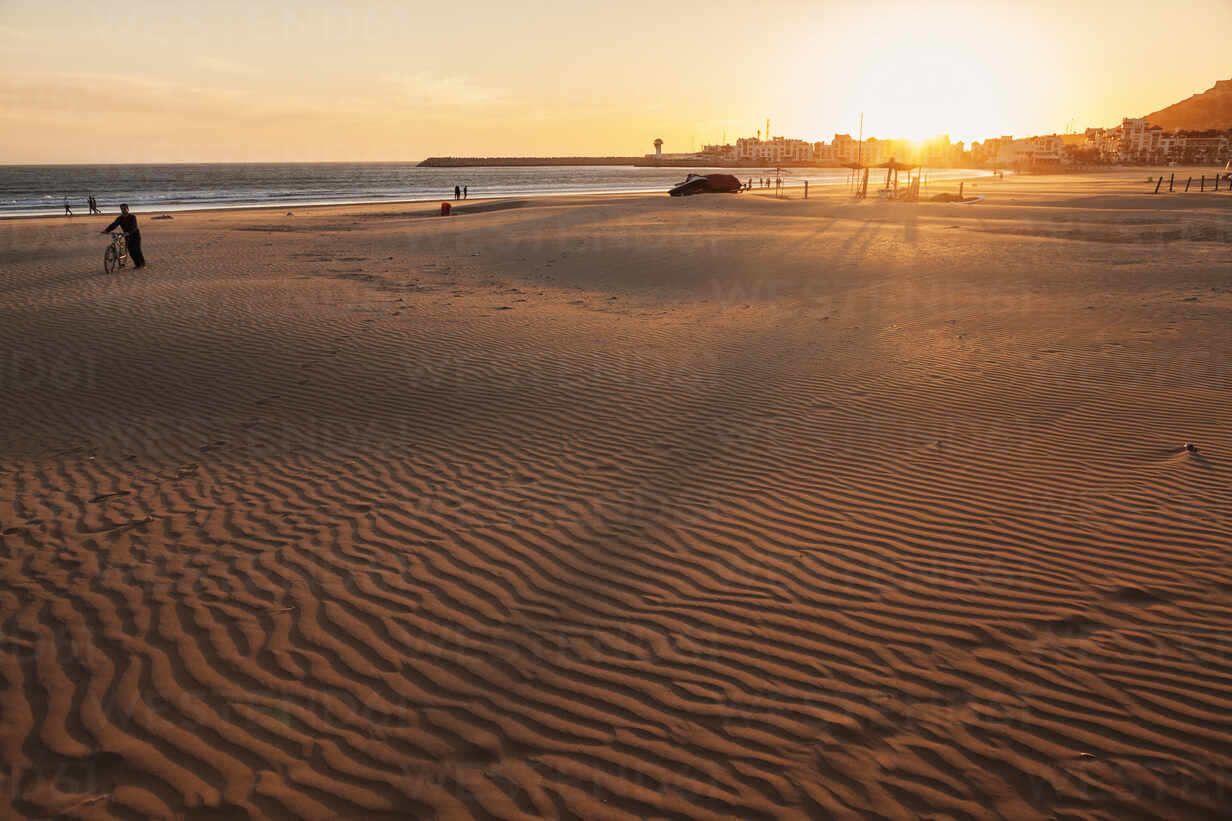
(236, 81)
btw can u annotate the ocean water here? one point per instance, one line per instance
(31, 190)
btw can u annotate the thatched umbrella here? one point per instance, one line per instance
(894, 166)
(855, 167)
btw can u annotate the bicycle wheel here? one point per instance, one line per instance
(110, 258)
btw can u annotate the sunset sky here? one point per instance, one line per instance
(145, 81)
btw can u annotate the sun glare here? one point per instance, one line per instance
(915, 75)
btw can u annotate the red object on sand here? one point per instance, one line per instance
(445, 209)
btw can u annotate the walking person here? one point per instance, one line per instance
(132, 234)
(457, 193)
(466, 191)
(68, 209)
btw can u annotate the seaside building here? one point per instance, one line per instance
(940, 151)
(1103, 143)
(1140, 140)
(1197, 147)
(844, 149)
(823, 152)
(1134, 140)
(1041, 151)
(988, 152)
(772, 151)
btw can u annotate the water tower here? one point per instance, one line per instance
(658, 144)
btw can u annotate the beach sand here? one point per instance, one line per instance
(623, 507)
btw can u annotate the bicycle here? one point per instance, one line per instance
(116, 253)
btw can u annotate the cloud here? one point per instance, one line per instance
(68, 93)
(68, 114)
(64, 95)
(221, 65)
(432, 90)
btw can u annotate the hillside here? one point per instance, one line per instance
(1210, 109)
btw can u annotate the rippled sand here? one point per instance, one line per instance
(620, 508)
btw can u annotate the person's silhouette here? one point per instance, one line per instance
(132, 234)
(457, 193)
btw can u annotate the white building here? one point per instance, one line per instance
(844, 148)
(773, 151)
(1041, 151)
(1139, 139)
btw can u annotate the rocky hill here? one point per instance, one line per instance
(1210, 109)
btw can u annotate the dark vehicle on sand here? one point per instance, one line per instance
(706, 184)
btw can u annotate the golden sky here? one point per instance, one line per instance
(145, 81)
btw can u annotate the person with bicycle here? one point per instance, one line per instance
(132, 234)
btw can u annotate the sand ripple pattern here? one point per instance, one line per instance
(355, 526)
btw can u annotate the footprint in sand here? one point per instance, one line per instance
(1140, 596)
(104, 496)
(1072, 627)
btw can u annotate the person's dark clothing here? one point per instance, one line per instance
(466, 191)
(127, 223)
(457, 193)
(132, 236)
(134, 249)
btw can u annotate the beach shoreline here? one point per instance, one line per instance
(524, 184)
(1121, 174)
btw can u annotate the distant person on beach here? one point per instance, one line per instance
(457, 193)
(132, 234)
(68, 209)
(93, 203)
(466, 191)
